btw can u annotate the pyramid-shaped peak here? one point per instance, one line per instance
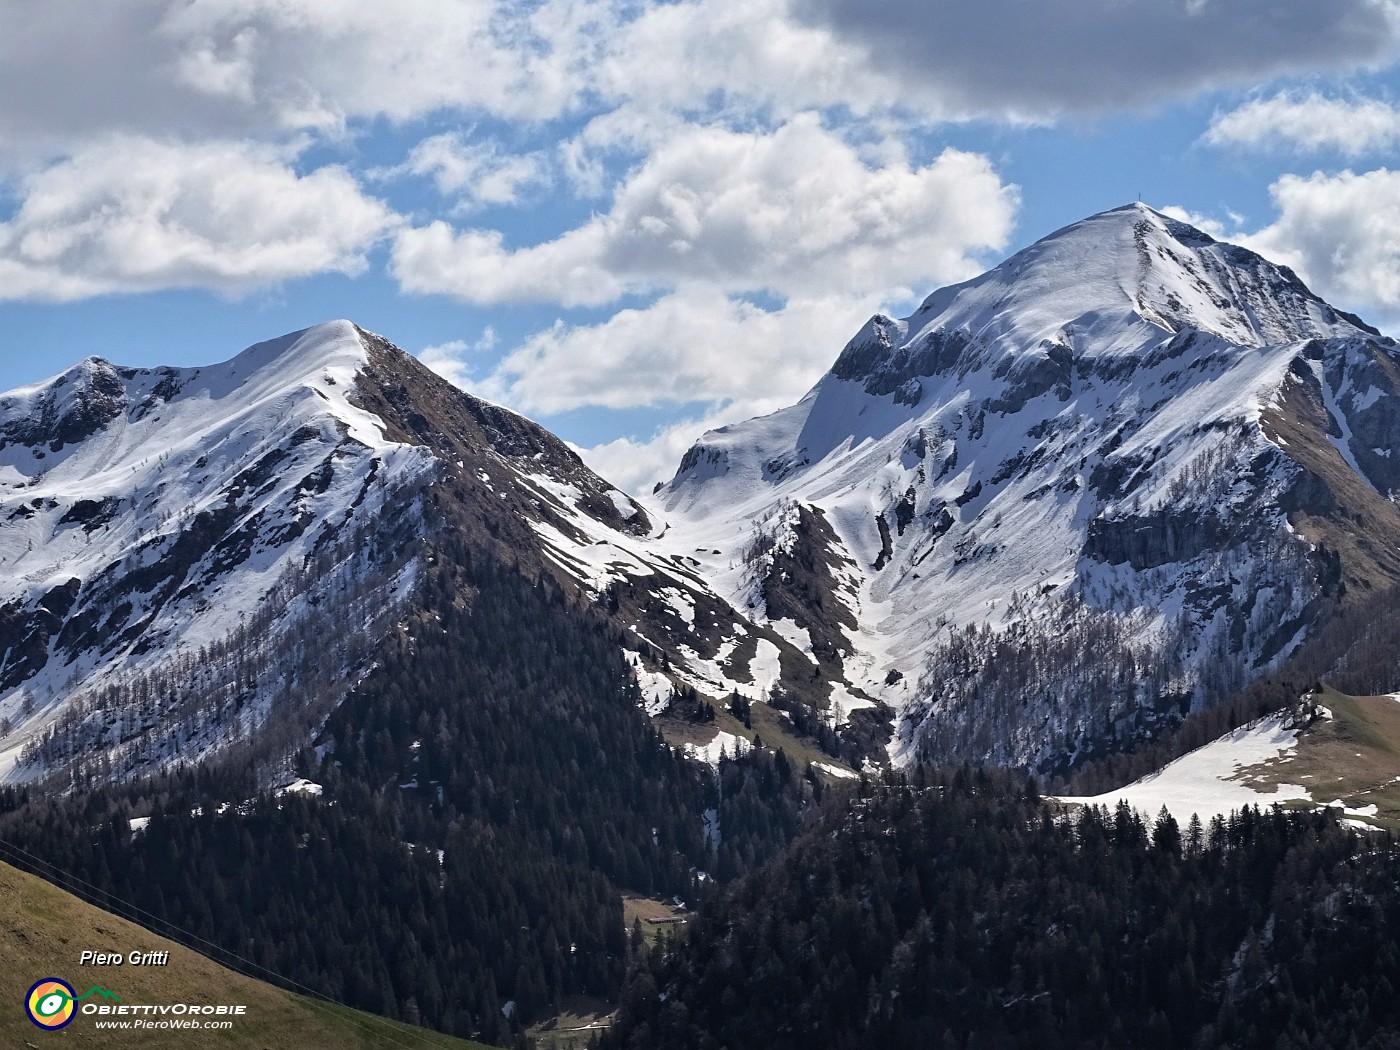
(1099, 260)
(1126, 242)
(1114, 283)
(1123, 274)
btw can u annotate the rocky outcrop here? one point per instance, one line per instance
(25, 631)
(1369, 376)
(1146, 541)
(1033, 376)
(427, 410)
(870, 360)
(71, 409)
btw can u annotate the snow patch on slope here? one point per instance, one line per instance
(1207, 781)
(723, 745)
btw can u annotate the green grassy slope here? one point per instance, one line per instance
(1354, 757)
(43, 930)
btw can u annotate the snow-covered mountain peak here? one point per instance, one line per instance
(1132, 272)
(1111, 296)
(52, 417)
(1128, 422)
(1136, 261)
(300, 355)
(268, 520)
(146, 512)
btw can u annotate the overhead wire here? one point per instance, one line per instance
(87, 891)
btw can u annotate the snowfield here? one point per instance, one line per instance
(1207, 782)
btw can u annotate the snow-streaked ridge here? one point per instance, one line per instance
(1080, 447)
(269, 449)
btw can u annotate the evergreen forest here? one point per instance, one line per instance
(489, 790)
(960, 911)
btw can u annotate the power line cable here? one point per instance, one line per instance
(75, 884)
(89, 890)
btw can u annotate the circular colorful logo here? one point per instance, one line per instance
(49, 1003)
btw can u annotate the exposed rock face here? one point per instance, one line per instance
(69, 410)
(875, 359)
(25, 631)
(1332, 501)
(1365, 380)
(1147, 541)
(422, 409)
(1028, 379)
(802, 585)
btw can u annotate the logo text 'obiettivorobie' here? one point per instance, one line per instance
(51, 1003)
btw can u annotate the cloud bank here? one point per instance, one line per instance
(1036, 60)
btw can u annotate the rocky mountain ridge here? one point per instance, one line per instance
(1049, 513)
(199, 557)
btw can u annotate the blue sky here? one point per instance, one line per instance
(635, 220)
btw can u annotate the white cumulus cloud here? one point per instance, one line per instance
(130, 215)
(635, 465)
(1341, 233)
(222, 68)
(764, 249)
(696, 344)
(474, 173)
(451, 359)
(1310, 123)
(754, 53)
(795, 211)
(1204, 223)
